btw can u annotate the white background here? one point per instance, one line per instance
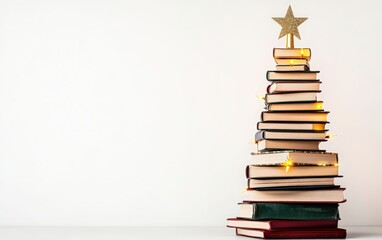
(142, 112)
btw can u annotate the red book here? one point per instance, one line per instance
(280, 224)
(293, 233)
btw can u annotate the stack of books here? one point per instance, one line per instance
(291, 181)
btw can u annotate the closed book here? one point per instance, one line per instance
(293, 233)
(292, 53)
(270, 171)
(271, 145)
(280, 87)
(293, 67)
(295, 126)
(290, 135)
(292, 61)
(280, 224)
(288, 211)
(292, 75)
(297, 157)
(290, 97)
(334, 195)
(267, 183)
(296, 106)
(297, 116)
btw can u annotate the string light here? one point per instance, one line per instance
(330, 136)
(318, 106)
(302, 53)
(288, 163)
(260, 97)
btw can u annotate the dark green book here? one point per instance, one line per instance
(288, 211)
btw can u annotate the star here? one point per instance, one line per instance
(289, 24)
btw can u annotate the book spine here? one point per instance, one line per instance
(260, 135)
(305, 234)
(285, 211)
(268, 88)
(267, 75)
(247, 172)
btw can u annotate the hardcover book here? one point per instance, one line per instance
(292, 75)
(293, 233)
(280, 224)
(291, 53)
(288, 211)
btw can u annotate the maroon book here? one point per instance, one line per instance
(280, 224)
(308, 233)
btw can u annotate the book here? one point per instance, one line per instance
(297, 106)
(266, 183)
(292, 61)
(280, 224)
(290, 135)
(292, 75)
(291, 97)
(269, 145)
(292, 67)
(334, 195)
(280, 87)
(306, 116)
(293, 233)
(300, 126)
(270, 171)
(288, 211)
(288, 53)
(303, 157)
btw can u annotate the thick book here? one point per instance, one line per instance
(271, 171)
(334, 195)
(300, 126)
(297, 106)
(290, 135)
(288, 211)
(280, 224)
(292, 75)
(292, 61)
(291, 53)
(268, 183)
(293, 233)
(280, 87)
(290, 97)
(271, 145)
(297, 116)
(297, 157)
(292, 67)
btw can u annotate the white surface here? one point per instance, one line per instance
(143, 233)
(141, 112)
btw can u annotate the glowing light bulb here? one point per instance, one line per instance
(330, 136)
(291, 62)
(288, 163)
(260, 97)
(318, 106)
(302, 53)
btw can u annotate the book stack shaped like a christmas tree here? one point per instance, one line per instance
(291, 180)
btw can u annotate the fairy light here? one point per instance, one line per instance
(288, 164)
(330, 136)
(260, 97)
(302, 53)
(318, 106)
(291, 62)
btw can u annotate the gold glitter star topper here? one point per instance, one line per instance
(289, 26)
